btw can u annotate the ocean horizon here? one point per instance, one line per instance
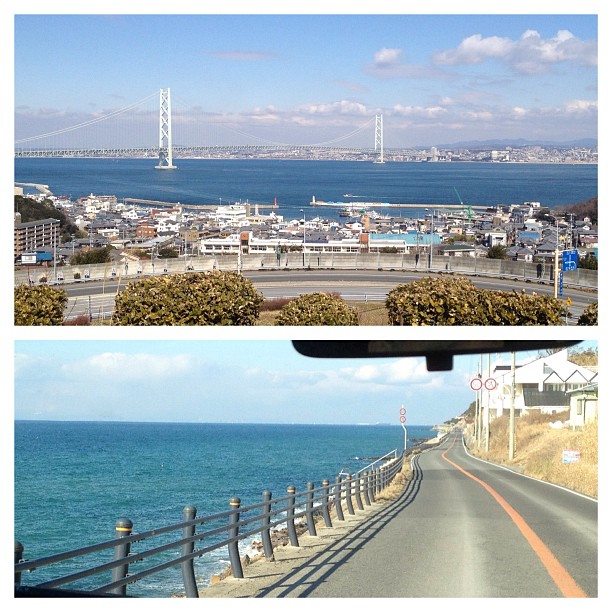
(75, 479)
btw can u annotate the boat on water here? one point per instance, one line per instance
(353, 210)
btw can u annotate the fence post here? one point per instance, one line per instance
(349, 493)
(358, 499)
(191, 590)
(312, 530)
(123, 528)
(266, 540)
(366, 489)
(18, 557)
(325, 504)
(338, 498)
(291, 532)
(233, 535)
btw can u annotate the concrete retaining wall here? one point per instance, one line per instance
(353, 261)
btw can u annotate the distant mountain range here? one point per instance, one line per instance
(499, 144)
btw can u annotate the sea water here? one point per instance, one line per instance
(74, 480)
(294, 183)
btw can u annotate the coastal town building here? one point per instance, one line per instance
(241, 227)
(35, 235)
(584, 405)
(546, 385)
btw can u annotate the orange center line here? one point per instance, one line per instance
(562, 578)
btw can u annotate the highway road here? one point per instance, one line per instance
(353, 285)
(462, 528)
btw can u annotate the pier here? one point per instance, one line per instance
(197, 207)
(40, 188)
(391, 205)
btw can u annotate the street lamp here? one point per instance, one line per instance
(304, 238)
(431, 232)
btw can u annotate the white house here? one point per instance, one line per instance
(542, 385)
(584, 404)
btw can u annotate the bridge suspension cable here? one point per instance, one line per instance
(193, 129)
(86, 123)
(229, 128)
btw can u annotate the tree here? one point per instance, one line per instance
(497, 251)
(589, 262)
(32, 210)
(168, 252)
(582, 210)
(93, 256)
(586, 358)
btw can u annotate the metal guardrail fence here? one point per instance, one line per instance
(113, 568)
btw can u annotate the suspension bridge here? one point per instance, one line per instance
(163, 134)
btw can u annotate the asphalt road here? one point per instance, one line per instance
(462, 528)
(98, 296)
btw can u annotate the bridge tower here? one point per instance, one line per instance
(378, 139)
(165, 131)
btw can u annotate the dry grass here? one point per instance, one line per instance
(539, 451)
(398, 484)
(369, 313)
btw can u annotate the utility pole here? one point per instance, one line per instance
(486, 434)
(556, 278)
(479, 408)
(512, 394)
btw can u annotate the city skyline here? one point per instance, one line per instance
(235, 381)
(308, 78)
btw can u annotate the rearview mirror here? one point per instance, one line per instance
(438, 353)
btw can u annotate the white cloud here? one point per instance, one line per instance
(386, 56)
(387, 64)
(475, 49)
(342, 107)
(530, 54)
(519, 112)
(242, 56)
(581, 106)
(24, 362)
(402, 371)
(419, 111)
(125, 367)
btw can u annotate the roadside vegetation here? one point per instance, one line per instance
(227, 298)
(539, 450)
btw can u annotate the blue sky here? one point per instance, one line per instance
(248, 381)
(307, 78)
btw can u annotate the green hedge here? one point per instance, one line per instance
(456, 301)
(317, 309)
(198, 298)
(589, 316)
(39, 305)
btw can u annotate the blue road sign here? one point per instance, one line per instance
(569, 260)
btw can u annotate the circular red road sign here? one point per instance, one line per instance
(402, 419)
(490, 384)
(475, 384)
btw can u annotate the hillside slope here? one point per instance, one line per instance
(539, 451)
